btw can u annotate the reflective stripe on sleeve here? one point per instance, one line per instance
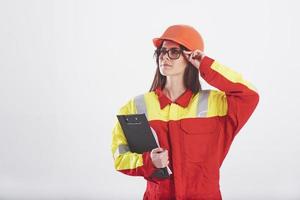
(122, 148)
(140, 104)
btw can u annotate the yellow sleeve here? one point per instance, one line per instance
(125, 161)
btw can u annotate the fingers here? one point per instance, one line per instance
(163, 154)
(164, 158)
(160, 157)
(187, 53)
(193, 54)
(164, 163)
(159, 153)
(196, 54)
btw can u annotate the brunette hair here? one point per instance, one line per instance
(190, 77)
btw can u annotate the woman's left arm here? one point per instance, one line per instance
(241, 96)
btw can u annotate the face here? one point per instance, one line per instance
(171, 67)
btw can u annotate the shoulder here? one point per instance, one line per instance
(130, 107)
(217, 95)
(212, 95)
(217, 103)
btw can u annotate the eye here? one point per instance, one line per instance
(175, 51)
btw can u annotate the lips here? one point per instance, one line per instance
(165, 65)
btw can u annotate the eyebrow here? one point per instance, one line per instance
(170, 48)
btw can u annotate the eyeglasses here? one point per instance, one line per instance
(173, 53)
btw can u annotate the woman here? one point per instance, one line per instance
(195, 127)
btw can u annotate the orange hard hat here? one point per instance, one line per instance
(181, 34)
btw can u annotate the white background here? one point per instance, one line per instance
(66, 67)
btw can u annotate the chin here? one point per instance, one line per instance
(166, 71)
(168, 74)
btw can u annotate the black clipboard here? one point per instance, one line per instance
(140, 137)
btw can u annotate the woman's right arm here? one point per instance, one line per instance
(125, 161)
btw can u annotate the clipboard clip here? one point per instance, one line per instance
(132, 120)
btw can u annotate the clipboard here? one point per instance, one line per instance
(140, 138)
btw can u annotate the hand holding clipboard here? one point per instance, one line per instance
(156, 139)
(141, 138)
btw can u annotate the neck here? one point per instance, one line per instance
(174, 87)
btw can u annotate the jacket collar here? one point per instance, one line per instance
(183, 100)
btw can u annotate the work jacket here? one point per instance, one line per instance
(196, 129)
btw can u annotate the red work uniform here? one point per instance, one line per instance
(196, 129)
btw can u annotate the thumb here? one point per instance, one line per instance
(157, 150)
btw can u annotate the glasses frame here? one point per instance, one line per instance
(158, 52)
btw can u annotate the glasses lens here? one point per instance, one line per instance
(174, 53)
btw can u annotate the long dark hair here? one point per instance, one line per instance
(190, 77)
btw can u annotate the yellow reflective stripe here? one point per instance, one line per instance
(217, 104)
(231, 74)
